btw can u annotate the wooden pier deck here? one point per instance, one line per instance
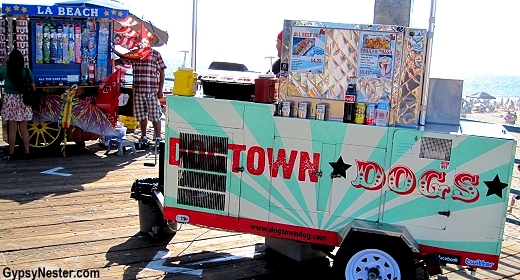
(88, 222)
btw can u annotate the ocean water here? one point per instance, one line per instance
(496, 85)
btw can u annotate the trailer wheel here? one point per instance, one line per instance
(44, 134)
(369, 259)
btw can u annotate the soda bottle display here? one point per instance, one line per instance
(349, 110)
(383, 110)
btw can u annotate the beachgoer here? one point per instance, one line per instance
(14, 111)
(148, 82)
(514, 198)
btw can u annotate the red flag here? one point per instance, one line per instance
(126, 31)
(127, 43)
(144, 53)
(109, 88)
(128, 21)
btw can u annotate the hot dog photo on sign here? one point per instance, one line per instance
(376, 55)
(307, 49)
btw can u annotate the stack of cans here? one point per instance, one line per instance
(365, 113)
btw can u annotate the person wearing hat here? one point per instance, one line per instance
(276, 65)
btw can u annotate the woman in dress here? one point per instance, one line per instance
(14, 111)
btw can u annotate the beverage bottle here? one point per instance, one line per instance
(383, 110)
(349, 112)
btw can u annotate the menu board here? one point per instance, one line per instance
(376, 58)
(308, 49)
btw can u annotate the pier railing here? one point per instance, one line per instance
(509, 218)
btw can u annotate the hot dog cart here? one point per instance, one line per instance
(386, 196)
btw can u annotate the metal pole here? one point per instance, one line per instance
(426, 76)
(194, 37)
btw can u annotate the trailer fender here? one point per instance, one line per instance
(370, 227)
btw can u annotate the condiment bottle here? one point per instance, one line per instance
(349, 112)
(383, 110)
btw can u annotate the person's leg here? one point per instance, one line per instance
(143, 125)
(25, 135)
(13, 127)
(141, 112)
(154, 115)
(157, 129)
(511, 205)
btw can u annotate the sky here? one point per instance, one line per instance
(470, 36)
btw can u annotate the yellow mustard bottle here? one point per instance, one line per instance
(185, 80)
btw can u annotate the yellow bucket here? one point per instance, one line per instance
(185, 82)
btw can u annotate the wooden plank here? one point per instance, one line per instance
(69, 217)
(116, 244)
(24, 194)
(222, 240)
(108, 195)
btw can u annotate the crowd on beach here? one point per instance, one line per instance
(507, 106)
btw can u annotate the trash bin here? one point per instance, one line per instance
(151, 219)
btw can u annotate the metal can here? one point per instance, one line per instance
(370, 114)
(286, 108)
(321, 109)
(303, 109)
(360, 109)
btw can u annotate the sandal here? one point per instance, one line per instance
(8, 157)
(26, 156)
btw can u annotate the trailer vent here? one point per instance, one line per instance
(202, 152)
(202, 181)
(202, 175)
(208, 200)
(435, 148)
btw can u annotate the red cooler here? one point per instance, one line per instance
(266, 89)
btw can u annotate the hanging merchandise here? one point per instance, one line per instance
(22, 38)
(85, 56)
(102, 50)
(92, 39)
(3, 45)
(59, 43)
(39, 43)
(77, 42)
(46, 44)
(65, 44)
(54, 45)
(72, 55)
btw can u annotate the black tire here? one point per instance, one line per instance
(365, 251)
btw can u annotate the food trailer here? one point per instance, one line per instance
(68, 48)
(387, 197)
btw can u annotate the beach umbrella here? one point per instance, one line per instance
(133, 25)
(481, 95)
